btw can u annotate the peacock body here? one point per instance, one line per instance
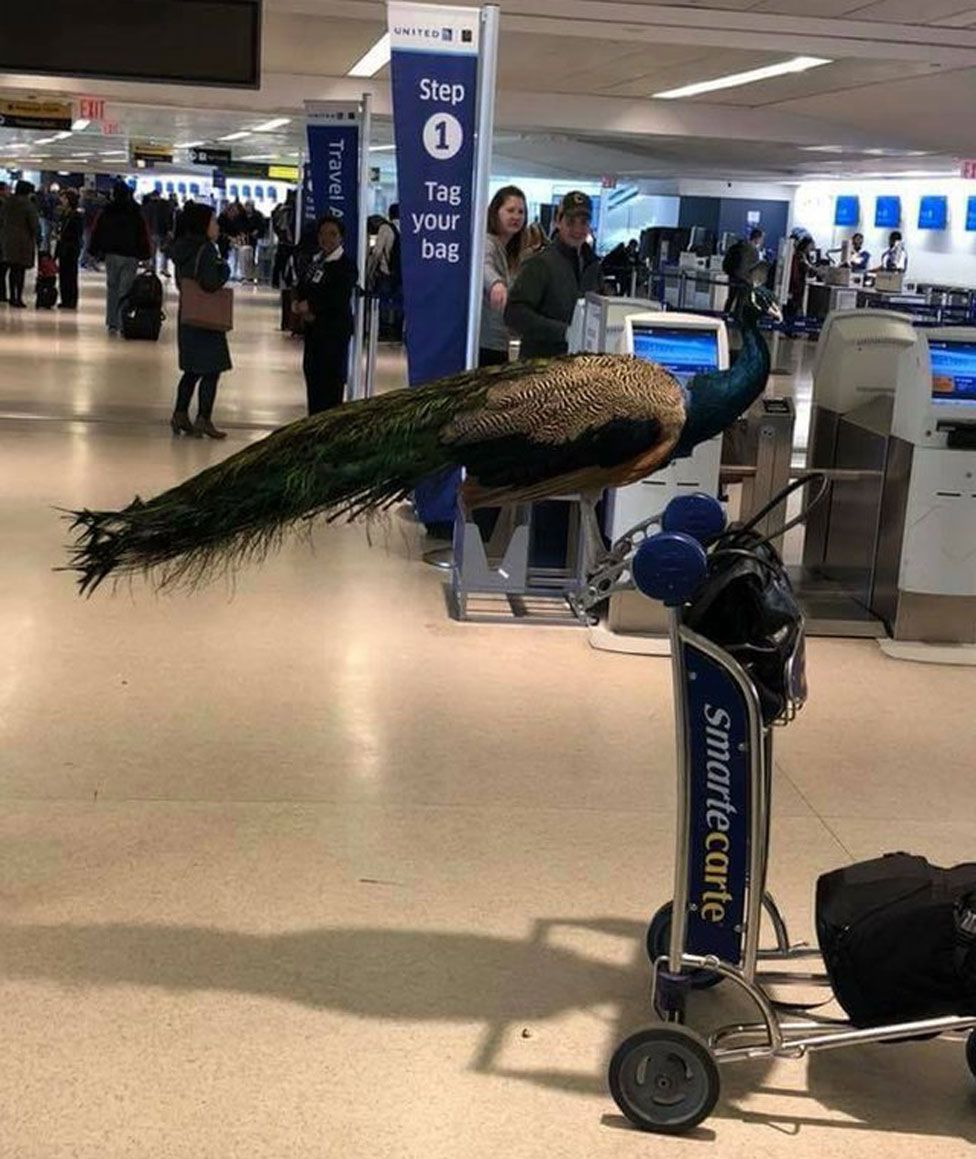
(523, 432)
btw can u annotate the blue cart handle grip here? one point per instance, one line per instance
(669, 567)
(700, 516)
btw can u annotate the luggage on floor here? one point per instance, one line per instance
(46, 292)
(146, 292)
(290, 322)
(142, 322)
(246, 269)
(898, 936)
(142, 308)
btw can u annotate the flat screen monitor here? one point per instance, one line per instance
(933, 212)
(199, 42)
(684, 352)
(953, 371)
(971, 215)
(847, 211)
(887, 213)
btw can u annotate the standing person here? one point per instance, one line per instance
(895, 257)
(384, 275)
(204, 354)
(535, 240)
(231, 226)
(543, 297)
(4, 194)
(323, 299)
(503, 254)
(860, 259)
(121, 238)
(19, 238)
(166, 225)
(741, 258)
(801, 267)
(283, 225)
(68, 250)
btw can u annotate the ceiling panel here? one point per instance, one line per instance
(323, 47)
(644, 81)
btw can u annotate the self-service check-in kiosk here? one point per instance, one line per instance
(603, 318)
(926, 575)
(864, 358)
(685, 345)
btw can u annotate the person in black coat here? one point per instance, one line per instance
(71, 233)
(323, 300)
(204, 354)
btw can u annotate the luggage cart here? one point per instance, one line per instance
(666, 1078)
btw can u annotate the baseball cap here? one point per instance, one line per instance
(576, 204)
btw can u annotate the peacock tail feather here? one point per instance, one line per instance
(518, 425)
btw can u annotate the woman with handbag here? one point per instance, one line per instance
(323, 300)
(205, 317)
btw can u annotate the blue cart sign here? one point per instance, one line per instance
(333, 151)
(719, 772)
(434, 69)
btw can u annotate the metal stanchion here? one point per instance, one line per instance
(371, 346)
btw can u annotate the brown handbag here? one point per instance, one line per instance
(205, 309)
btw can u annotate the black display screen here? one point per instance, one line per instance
(206, 42)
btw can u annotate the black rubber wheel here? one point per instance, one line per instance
(664, 1080)
(659, 945)
(971, 1052)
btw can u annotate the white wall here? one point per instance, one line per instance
(948, 257)
(641, 212)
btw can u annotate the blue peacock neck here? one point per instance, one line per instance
(716, 400)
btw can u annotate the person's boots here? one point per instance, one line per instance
(205, 427)
(180, 423)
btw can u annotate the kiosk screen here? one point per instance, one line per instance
(953, 371)
(684, 353)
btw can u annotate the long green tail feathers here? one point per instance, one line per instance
(351, 461)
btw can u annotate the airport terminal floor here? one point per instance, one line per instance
(299, 866)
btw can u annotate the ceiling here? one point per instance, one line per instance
(575, 90)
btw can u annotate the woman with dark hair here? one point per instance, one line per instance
(19, 240)
(504, 249)
(323, 301)
(71, 229)
(204, 354)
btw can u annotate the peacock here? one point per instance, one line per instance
(523, 432)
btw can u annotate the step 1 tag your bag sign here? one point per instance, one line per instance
(434, 70)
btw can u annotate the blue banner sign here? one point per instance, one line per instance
(333, 170)
(434, 70)
(718, 852)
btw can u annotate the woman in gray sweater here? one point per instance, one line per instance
(503, 253)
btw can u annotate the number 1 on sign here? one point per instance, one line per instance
(443, 136)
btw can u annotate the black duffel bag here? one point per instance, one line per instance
(898, 937)
(748, 608)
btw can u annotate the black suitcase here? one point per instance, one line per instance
(898, 937)
(142, 322)
(46, 293)
(146, 292)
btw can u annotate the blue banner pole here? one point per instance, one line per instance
(434, 71)
(335, 147)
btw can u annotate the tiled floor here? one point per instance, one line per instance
(303, 868)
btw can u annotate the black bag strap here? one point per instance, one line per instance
(196, 264)
(795, 485)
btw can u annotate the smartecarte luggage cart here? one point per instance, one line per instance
(666, 1078)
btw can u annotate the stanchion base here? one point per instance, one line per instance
(439, 557)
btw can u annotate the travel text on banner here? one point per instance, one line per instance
(333, 132)
(434, 68)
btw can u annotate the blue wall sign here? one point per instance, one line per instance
(933, 212)
(847, 211)
(887, 213)
(718, 852)
(434, 70)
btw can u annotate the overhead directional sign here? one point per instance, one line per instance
(35, 114)
(210, 156)
(145, 154)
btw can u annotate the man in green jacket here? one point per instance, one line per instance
(542, 299)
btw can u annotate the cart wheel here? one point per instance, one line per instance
(971, 1052)
(659, 944)
(664, 1079)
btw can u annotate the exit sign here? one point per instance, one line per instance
(91, 109)
(968, 170)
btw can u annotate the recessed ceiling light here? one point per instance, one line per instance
(45, 140)
(114, 153)
(259, 157)
(753, 76)
(235, 136)
(822, 149)
(188, 145)
(371, 63)
(79, 125)
(270, 126)
(381, 148)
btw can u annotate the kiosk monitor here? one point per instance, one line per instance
(953, 372)
(684, 351)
